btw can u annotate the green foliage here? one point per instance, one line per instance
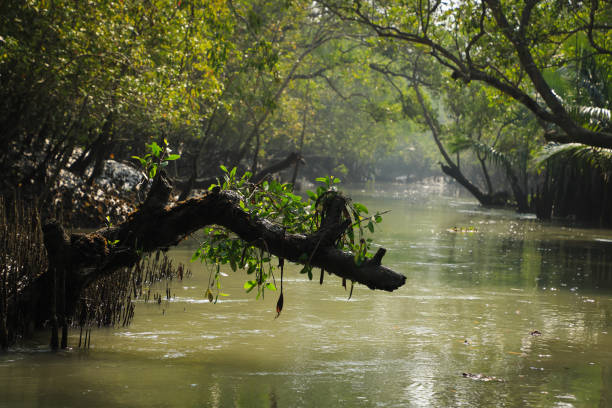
(276, 202)
(157, 158)
(579, 156)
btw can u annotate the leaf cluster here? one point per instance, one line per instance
(157, 158)
(296, 214)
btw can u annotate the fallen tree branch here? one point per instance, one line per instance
(78, 260)
(91, 256)
(150, 229)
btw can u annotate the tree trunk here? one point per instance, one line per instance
(451, 169)
(485, 173)
(302, 135)
(519, 195)
(292, 158)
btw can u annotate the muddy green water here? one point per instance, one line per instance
(470, 304)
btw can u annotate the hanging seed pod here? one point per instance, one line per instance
(279, 305)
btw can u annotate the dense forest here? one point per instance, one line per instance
(510, 100)
(495, 95)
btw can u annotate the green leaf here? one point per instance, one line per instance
(196, 255)
(142, 161)
(223, 168)
(155, 149)
(360, 208)
(371, 226)
(173, 157)
(249, 285)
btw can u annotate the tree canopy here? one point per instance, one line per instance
(511, 46)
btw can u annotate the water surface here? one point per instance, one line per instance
(498, 310)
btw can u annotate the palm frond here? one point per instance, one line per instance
(490, 153)
(579, 155)
(590, 117)
(493, 155)
(593, 112)
(459, 144)
(552, 150)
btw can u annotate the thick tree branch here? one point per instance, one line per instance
(279, 166)
(90, 256)
(591, 27)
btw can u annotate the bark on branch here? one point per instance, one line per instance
(149, 230)
(155, 225)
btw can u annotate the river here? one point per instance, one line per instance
(498, 310)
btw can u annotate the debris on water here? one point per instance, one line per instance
(463, 229)
(481, 377)
(536, 333)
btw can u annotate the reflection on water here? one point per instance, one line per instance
(488, 293)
